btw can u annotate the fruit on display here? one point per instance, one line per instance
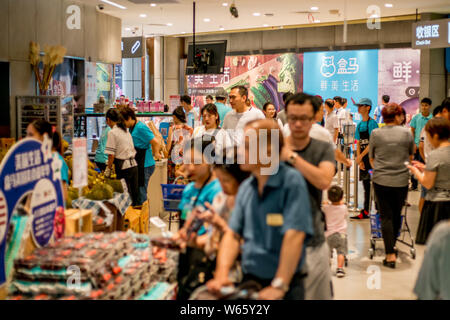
(99, 187)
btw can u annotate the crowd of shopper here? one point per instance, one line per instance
(277, 226)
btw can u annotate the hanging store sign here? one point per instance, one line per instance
(133, 47)
(30, 169)
(431, 34)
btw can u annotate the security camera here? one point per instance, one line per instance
(234, 11)
(100, 7)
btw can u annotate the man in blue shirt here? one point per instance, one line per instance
(418, 122)
(362, 135)
(272, 216)
(377, 113)
(191, 114)
(222, 109)
(144, 142)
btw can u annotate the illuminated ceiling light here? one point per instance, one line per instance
(170, 24)
(127, 29)
(143, 15)
(225, 4)
(388, 5)
(374, 16)
(207, 19)
(184, 32)
(152, 4)
(314, 8)
(114, 4)
(256, 14)
(316, 21)
(265, 25)
(222, 28)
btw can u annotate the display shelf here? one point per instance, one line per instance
(80, 120)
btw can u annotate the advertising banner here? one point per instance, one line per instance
(30, 169)
(399, 78)
(266, 76)
(349, 74)
(90, 85)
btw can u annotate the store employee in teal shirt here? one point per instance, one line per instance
(272, 217)
(418, 122)
(101, 158)
(222, 109)
(144, 142)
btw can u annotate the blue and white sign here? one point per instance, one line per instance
(29, 169)
(349, 74)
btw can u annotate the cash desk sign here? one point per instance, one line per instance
(431, 34)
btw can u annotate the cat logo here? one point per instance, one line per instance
(328, 69)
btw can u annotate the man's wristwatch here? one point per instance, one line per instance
(278, 283)
(292, 158)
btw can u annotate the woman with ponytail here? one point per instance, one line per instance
(121, 152)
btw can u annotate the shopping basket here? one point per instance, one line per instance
(171, 198)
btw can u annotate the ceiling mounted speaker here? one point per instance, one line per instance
(154, 1)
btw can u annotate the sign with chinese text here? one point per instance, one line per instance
(266, 76)
(29, 169)
(350, 74)
(399, 78)
(431, 34)
(80, 163)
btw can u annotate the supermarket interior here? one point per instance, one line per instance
(224, 150)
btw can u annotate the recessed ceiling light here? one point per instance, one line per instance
(184, 32)
(152, 4)
(316, 21)
(225, 4)
(388, 5)
(170, 24)
(314, 8)
(114, 4)
(207, 19)
(143, 15)
(256, 14)
(265, 25)
(127, 29)
(222, 28)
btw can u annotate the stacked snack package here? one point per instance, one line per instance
(118, 265)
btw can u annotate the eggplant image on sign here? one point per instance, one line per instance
(29, 170)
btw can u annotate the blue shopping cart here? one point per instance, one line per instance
(171, 198)
(375, 229)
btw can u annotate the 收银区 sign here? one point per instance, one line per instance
(431, 34)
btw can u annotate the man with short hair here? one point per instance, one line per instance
(192, 115)
(315, 161)
(377, 112)
(418, 122)
(282, 114)
(445, 112)
(362, 135)
(271, 219)
(236, 119)
(209, 99)
(222, 108)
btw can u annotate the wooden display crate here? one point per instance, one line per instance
(72, 221)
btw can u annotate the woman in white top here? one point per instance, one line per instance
(121, 152)
(271, 113)
(211, 122)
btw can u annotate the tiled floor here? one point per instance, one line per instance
(366, 278)
(369, 279)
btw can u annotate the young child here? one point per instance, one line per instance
(336, 218)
